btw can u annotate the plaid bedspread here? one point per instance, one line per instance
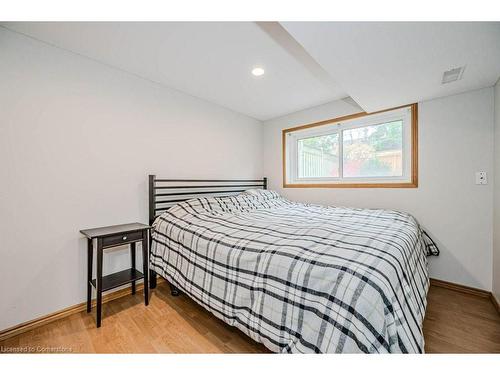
(300, 278)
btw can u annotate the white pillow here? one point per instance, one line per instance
(266, 194)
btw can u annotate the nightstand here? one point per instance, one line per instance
(106, 237)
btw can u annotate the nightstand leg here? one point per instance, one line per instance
(132, 256)
(145, 266)
(99, 282)
(90, 251)
(152, 279)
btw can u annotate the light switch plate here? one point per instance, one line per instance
(481, 178)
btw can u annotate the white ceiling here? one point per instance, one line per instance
(210, 60)
(383, 65)
(379, 65)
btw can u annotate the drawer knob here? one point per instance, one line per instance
(124, 238)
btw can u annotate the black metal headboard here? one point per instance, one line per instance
(163, 193)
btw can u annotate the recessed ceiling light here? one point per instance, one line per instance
(257, 71)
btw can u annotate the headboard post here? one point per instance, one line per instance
(152, 178)
(264, 183)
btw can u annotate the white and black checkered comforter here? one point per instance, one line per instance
(300, 278)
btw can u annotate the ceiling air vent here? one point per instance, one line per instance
(453, 74)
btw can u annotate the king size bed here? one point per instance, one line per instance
(299, 278)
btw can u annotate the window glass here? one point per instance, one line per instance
(373, 151)
(318, 156)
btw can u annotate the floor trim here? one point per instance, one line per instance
(495, 302)
(461, 288)
(38, 322)
(468, 290)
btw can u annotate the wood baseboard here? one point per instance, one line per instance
(468, 290)
(461, 288)
(495, 302)
(38, 322)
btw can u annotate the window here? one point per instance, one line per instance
(361, 150)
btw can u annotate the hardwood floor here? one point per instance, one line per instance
(455, 323)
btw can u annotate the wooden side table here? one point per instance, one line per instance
(112, 236)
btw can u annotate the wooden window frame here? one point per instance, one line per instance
(413, 183)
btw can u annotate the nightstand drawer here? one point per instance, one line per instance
(121, 238)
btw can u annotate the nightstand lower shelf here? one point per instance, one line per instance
(118, 279)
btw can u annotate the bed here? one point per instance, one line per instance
(299, 278)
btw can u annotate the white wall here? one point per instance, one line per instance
(455, 141)
(496, 198)
(77, 141)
